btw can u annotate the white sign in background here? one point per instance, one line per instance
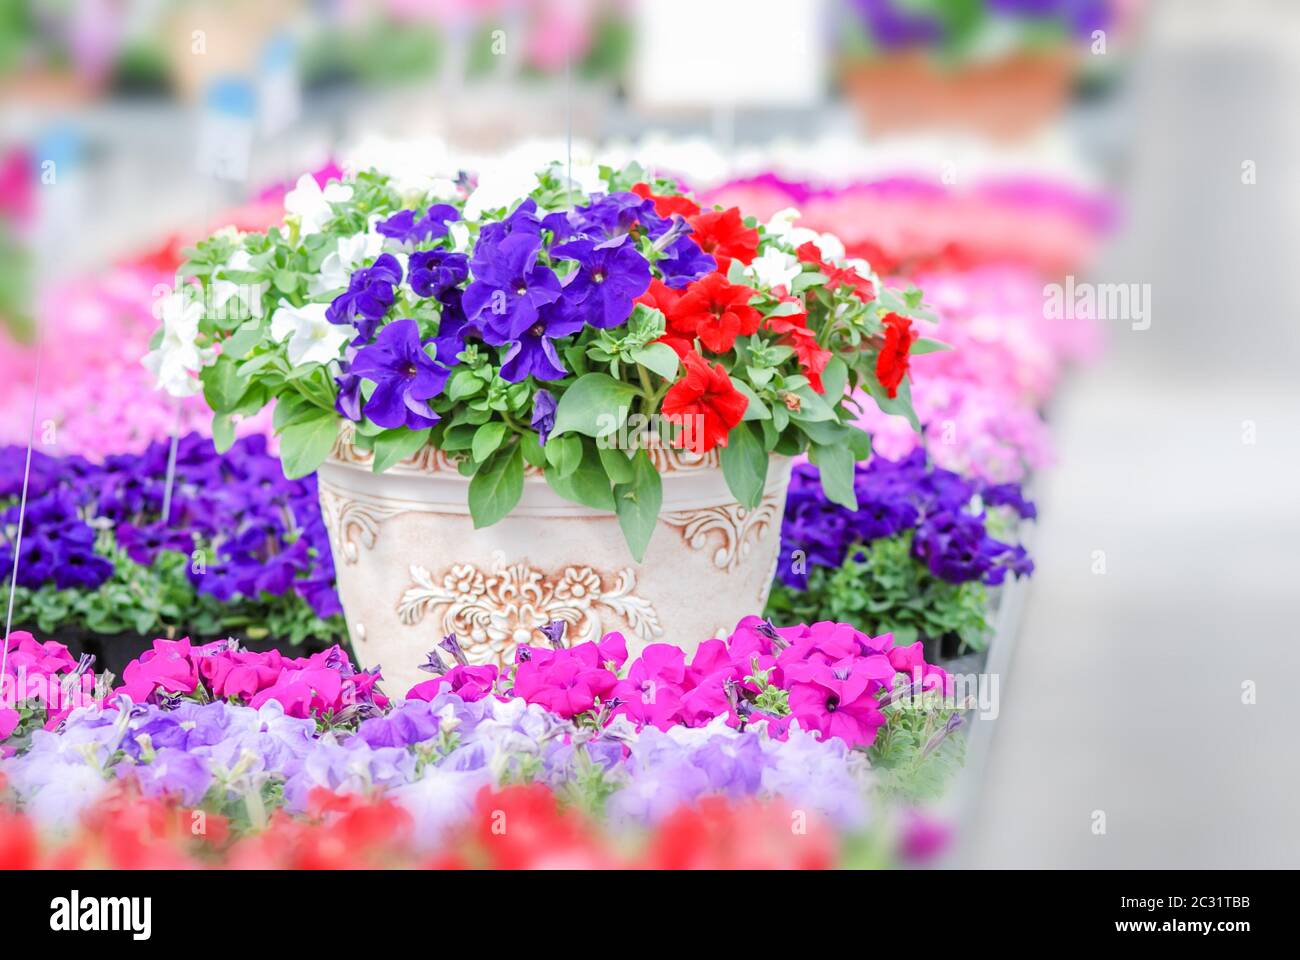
(728, 53)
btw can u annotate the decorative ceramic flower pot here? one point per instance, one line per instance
(411, 567)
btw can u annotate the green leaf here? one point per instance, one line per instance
(807, 279)
(836, 466)
(223, 386)
(596, 405)
(616, 463)
(926, 345)
(835, 381)
(242, 341)
(900, 404)
(293, 408)
(755, 409)
(457, 437)
(659, 357)
(463, 383)
(564, 454)
(223, 432)
(249, 367)
(394, 446)
(744, 465)
(304, 446)
(588, 485)
(859, 443)
(825, 432)
(811, 406)
(786, 308)
(487, 439)
(534, 454)
(638, 502)
(286, 281)
(496, 487)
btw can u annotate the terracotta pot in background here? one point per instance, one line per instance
(1008, 98)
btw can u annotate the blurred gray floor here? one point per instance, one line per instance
(1125, 692)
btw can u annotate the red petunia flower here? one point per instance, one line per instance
(837, 277)
(663, 298)
(667, 206)
(523, 827)
(891, 364)
(723, 235)
(794, 332)
(809, 252)
(659, 296)
(715, 311)
(705, 403)
(719, 833)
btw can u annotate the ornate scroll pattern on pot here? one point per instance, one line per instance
(668, 459)
(429, 459)
(734, 525)
(492, 612)
(352, 522)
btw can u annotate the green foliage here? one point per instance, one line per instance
(497, 487)
(160, 600)
(914, 752)
(882, 588)
(638, 501)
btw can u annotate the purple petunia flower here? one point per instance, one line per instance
(434, 272)
(371, 291)
(510, 286)
(348, 401)
(608, 217)
(454, 329)
(543, 414)
(610, 276)
(406, 229)
(895, 497)
(683, 262)
(143, 543)
(522, 220)
(174, 773)
(532, 352)
(405, 377)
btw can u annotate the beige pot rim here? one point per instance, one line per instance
(690, 481)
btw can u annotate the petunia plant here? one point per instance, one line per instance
(569, 331)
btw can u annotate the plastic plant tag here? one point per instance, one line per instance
(225, 140)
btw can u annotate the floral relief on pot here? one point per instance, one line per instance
(494, 611)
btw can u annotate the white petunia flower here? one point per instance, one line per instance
(312, 204)
(312, 338)
(585, 177)
(782, 222)
(775, 268)
(501, 185)
(337, 267)
(862, 268)
(829, 244)
(178, 359)
(247, 296)
(459, 234)
(241, 259)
